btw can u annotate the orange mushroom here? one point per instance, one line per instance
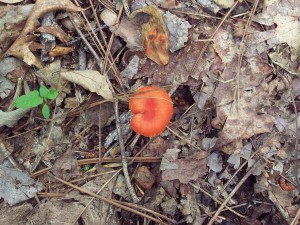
(152, 108)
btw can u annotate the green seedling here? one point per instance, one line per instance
(36, 98)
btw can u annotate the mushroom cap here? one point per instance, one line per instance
(152, 108)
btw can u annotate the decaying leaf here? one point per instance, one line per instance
(60, 50)
(10, 118)
(178, 31)
(16, 185)
(55, 30)
(91, 80)
(6, 86)
(284, 14)
(242, 119)
(20, 47)
(66, 166)
(154, 34)
(50, 75)
(244, 123)
(184, 170)
(128, 31)
(12, 20)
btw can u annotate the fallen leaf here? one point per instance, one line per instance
(178, 70)
(154, 34)
(56, 211)
(11, 118)
(245, 123)
(178, 31)
(50, 75)
(56, 31)
(60, 51)
(284, 14)
(91, 80)
(6, 86)
(12, 20)
(66, 166)
(241, 120)
(128, 31)
(16, 185)
(215, 162)
(15, 214)
(20, 47)
(184, 170)
(144, 177)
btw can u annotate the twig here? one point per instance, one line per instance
(215, 199)
(126, 7)
(239, 169)
(117, 118)
(253, 168)
(296, 219)
(112, 160)
(110, 201)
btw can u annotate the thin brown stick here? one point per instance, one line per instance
(114, 160)
(236, 188)
(110, 201)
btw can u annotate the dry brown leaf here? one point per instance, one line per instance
(128, 31)
(60, 50)
(12, 20)
(91, 80)
(56, 31)
(66, 166)
(41, 7)
(144, 177)
(177, 71)
(184, 170)
(154, 34)
(245, 123)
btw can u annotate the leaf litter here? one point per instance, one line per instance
(229, 114)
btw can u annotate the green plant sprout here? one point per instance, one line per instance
(36, 98)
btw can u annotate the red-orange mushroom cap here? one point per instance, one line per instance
(152, 108)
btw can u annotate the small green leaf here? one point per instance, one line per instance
(46, 111)
(52, 94)
(32, 99)
(44, 91)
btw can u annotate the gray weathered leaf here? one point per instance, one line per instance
(10, 118)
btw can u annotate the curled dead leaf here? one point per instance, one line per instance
(56, 31)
